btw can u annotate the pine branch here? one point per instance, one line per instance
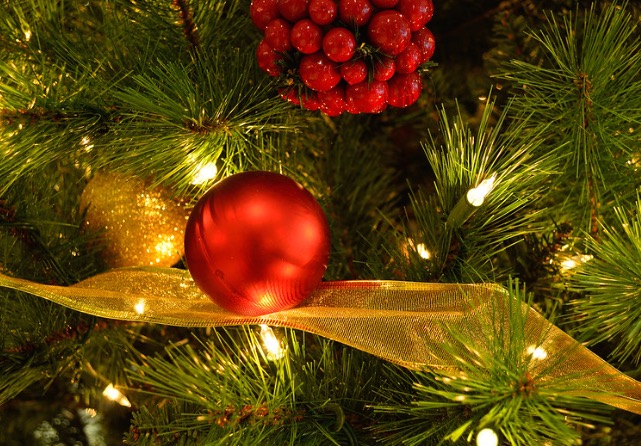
(466, 160)
(500, 383)
(581, 92)
(608, 308)
(187, 20)
(229, 385)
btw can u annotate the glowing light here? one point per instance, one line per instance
(537, 352)
(487, 437)
(422, 251)
(140, 306)
(113, 394)
(86, 142)
(27, 35)
(476, 196)
(204, 173)
(574, 261)
(273, 347)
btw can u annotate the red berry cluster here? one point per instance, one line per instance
(345, 55)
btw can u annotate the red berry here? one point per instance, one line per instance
(318, 72)
(339, 44)
(404, 89)
(293, 10)
(424, 40)
(389, 31)
(384, 69)
(306, 99)
(307, 36)
(408, 60)
(263, 11)
(417, 12)
(332, 102)
(367, 97)
(355, 12)
(277, 35)
(384, 4)
(354, 72)
(268, 59)
(322, 12)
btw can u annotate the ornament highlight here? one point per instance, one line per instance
(139, 226)
(257, 242)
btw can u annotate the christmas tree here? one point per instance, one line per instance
(484, 236)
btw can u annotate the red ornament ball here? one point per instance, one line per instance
(257, 242)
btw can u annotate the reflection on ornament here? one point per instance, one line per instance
(257, 242)
(139, 226)
(487, 437)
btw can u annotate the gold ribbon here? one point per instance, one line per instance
(406, 323)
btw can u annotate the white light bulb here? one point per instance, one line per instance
(476, 196)
(204, 173)
(487, 437)
(140, 306)
(113, 394)
(271, 343)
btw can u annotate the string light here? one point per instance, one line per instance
(476, 195)
(468, 204)
(113, 394)
(537, 352)
(487, 437)
(204, 173)
(572, 262)
(140, 306)
(273, 348)
(422, 251)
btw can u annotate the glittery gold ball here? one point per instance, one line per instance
(138, 225)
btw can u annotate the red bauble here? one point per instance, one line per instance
(354, 12)
(322, 12)
(256, 243)
(307, 36)
(404, 89)
(318, 72)
(263, 11)
(277, 35)
(390, 31)
(354, 72)
(268, 58)
(417, 12)
(339, 44)
(366, 97)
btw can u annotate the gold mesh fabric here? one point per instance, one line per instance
(404, 322)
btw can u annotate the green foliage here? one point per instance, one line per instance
(497, 381)
(99, 96)
(583, 92)
(229, 390)
(160, 88)
(609, 306)
(466, 158)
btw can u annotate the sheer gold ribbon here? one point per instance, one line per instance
(403, 322)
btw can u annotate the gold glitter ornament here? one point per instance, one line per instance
(139, 226)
